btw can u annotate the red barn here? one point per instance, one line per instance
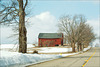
(50, 39)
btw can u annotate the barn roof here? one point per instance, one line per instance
(50, 35)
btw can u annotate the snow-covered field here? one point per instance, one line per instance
(15, 59)
(3, 46)
(52, 49)
(12, 47)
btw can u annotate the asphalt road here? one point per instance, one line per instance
(93, 57)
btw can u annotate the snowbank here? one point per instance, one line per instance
(16, 59)
(11, 58)
(64, 55)
(85, 49)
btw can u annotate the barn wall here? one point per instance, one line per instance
(49, 42)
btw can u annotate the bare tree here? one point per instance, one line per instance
(76, 31)
(68, 27)
(10, 14)
(85, 35)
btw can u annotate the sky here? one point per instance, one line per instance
(44, 15)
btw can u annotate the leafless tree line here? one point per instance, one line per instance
(76, 31)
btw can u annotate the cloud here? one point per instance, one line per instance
(96, 27)
(43, 23)
(96, 2)
(95, 24)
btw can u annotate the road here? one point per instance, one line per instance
(75, 61)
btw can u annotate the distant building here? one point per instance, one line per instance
(50, 39)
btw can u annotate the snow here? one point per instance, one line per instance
(54, 50)
(12, 47)
(2, 46)
(85, 49)
(11, 58)
(97, 45)
(41, 50)
(16, 59)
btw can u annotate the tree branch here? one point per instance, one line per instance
(26, 4)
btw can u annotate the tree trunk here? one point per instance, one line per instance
(73, 47)
(78, 47)
(81, 47)
(22, 29)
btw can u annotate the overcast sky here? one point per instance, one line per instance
(44, 17)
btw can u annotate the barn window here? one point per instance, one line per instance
(56, 45)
